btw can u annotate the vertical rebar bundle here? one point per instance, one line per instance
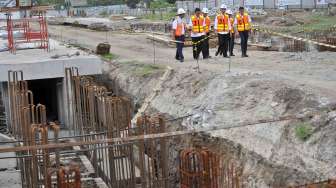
(201, 168)
(28, 123)
(152, 155)
(67, 177)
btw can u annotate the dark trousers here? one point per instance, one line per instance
(231, 43)
(223, 44)
(243, 41)
(205, 51)
(179, 47)
(197, 46)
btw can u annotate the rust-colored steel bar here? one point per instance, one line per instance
(152, 154)
(97, 110)
(50, 173)
(56, 128)
(69, 177)
(146, 137)
(17, 88)
(331, 183)
(201, 168)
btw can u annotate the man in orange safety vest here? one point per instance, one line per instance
(197, 28)
(243, 23)
(222, 27)
(178, 34)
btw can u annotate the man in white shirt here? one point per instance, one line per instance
(197, 29)
(222, 27)
(178, 34)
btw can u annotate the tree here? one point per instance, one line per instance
(132, 3)
(104, 2)
(171, 1)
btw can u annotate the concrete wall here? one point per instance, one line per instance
(3, 120)
(4, 98)
(267, 4)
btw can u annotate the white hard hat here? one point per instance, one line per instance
(223, 6)
(181, 11)
(205, 10)
(228, 11)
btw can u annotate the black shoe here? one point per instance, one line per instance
(243, 55)
(209, 57)
(225, 56)
(232, 55)
(217, 53)
(181, 60)
(246, 55)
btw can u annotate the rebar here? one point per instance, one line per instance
(201, 168)
(124, 156)
(331, 183)
(152, 159)
(67, 177)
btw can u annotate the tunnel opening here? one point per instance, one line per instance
(45, 92)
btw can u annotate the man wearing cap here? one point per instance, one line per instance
(178, 34)
(207, 20)
(222, 27)
(243, 23)
(232, 32)
(197, 28)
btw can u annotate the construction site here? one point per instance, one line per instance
(92, 97)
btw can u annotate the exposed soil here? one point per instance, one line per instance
(265, 85)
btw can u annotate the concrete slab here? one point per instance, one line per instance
(87, 21)
(39, 64)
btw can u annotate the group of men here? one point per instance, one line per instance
(225, 25)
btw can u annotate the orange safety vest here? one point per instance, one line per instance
(243, 23)
(197, 24)
(222, 23)
(179, 29)
(207, 24)
(232, 22)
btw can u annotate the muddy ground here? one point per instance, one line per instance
(265, 85)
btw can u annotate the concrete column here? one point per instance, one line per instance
(60, 103)
(66, 103)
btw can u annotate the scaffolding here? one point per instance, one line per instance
(32, 28)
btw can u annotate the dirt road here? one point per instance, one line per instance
(314, 70)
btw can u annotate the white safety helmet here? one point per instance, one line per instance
(223, 6)
(205, 10)
(180, 11)
(229, 12)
